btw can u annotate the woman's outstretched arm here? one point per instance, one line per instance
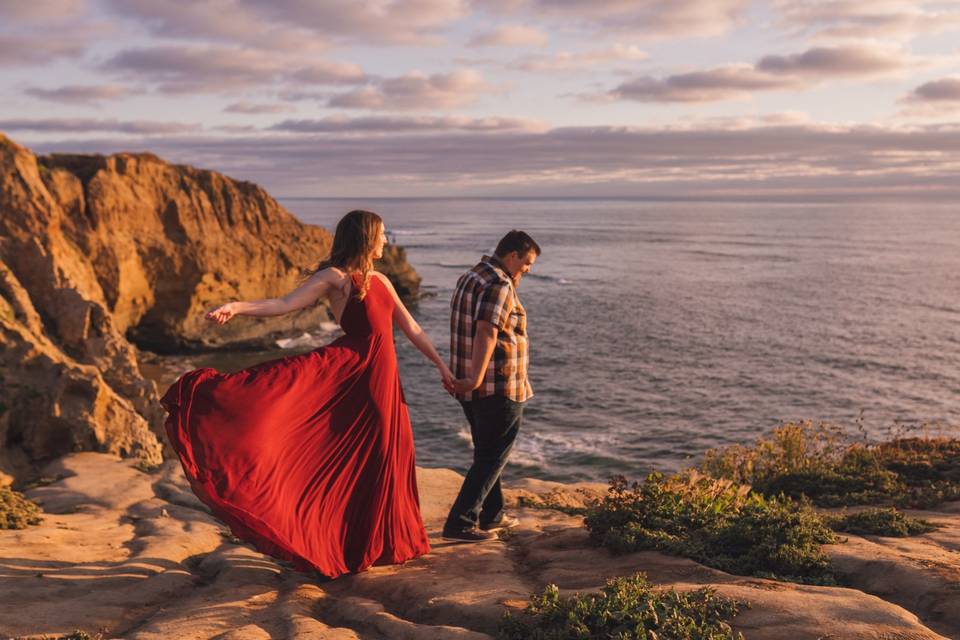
(416, 335)
(316, 286)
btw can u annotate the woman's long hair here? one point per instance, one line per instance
(354, 244)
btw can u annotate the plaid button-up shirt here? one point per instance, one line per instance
(486, 292)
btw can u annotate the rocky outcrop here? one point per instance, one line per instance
(136, 555)
(101, 253)
(168, 242)
(68, 376)
(404, 278)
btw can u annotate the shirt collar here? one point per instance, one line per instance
(495, 262)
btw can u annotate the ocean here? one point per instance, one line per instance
(660, 330)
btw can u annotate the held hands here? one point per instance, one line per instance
(222, 314)
(446, 378)
(464, 386)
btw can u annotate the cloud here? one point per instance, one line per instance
(573, 61)
(416, 91)
(944, 90)
(854, 19)
(644, 18)
(725, 83)
(16, 50)
(381, 22)
(258, 108)
(771, 73)
(81, 93)
(343, 124)
(212, 69)
(798, 162)
(329, 73)
(225, 21)
(509, 35)
(89, 125)
(40, 11)
(836, 61)
(932, 100)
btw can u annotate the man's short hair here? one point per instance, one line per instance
(518, 241)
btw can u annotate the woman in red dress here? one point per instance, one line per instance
(310, 457)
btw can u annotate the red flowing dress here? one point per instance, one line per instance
(309, 457)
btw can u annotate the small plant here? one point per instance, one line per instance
(228, 535)
(16, 511)
(625, 609)
(147, 467)
(880, 522)
(717, 523)
(79, 634)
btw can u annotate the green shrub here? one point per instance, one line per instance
(16, 512)
(717, 523)
(625, 609)
(822, 463)
(880, 522)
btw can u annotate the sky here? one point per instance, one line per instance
(792, 100)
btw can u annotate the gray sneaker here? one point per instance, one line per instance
(505, 522)
(470, 534)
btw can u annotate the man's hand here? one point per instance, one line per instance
(464, 386)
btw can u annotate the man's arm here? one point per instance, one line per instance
(484, 342)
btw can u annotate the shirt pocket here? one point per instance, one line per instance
(518, 321)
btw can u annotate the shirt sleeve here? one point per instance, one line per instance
(495, 305)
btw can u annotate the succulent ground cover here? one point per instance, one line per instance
(627, 608)
(16, 512)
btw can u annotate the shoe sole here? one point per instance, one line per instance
(493, 539)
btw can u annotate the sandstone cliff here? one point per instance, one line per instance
(100, 253)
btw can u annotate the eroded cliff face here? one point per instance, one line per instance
(98, 253)
(167, 242)
(69, 378)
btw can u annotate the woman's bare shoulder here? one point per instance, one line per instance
(331, 275)
(383, 278)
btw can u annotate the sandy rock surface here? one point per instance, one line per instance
(135, 555)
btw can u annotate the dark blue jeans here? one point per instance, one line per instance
(494, 423)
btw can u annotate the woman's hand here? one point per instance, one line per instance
(223, 313)
(447, 379)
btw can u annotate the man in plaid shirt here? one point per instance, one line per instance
(489, 356)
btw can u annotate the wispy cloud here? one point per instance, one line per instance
(854, 19)
(344, 124)
(416, 91)
(510, 35)
(796, 71)
(576, 60)
(379, 23)
(645, 18)
(944, 90)
(90, 125)
(17, 50)
(81, 94)
(210, 69)
(40, 11)
(254, 108)
(932, 100)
